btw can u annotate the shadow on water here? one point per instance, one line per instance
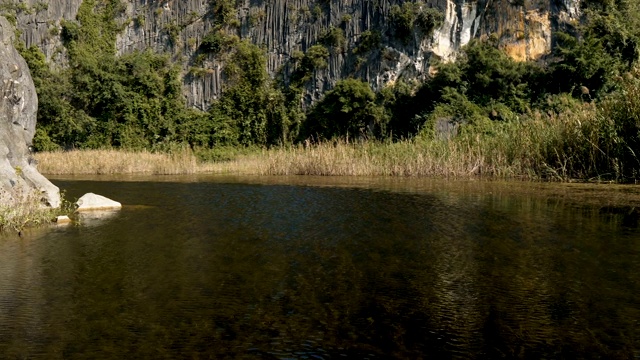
(317, 268)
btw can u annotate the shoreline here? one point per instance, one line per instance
(564, 147)
(27, 211)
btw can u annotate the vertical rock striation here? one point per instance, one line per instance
(18, 107)
(523, 28)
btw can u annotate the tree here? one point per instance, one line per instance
(349, 109)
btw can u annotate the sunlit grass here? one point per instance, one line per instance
(25, 210)
(113, 161)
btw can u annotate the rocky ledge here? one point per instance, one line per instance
(18, 108)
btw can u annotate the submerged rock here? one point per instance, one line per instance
(91, 201)
(18, 107)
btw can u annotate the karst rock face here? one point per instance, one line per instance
(18, 107)
(523, 28)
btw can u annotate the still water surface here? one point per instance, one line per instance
(326, 269)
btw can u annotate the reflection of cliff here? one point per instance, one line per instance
(524, 28)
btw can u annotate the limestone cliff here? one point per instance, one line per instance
(18, 107)
(524, 28)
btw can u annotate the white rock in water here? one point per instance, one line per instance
(91, 201)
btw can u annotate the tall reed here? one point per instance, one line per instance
(578, 143)
(112, 161)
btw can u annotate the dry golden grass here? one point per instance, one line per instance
(102, 162)
(24, 210)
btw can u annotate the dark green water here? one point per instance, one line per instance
(232, 268)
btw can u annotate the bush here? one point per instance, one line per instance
(218, 41)
(348, 110)
(334, 38)
(369, 41)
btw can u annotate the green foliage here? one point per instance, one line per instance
(403, 16)
(252, 111)
(621, 112)
(410, 15)
(334, 38)
(132, 101)
(428, 19)
(489, 75)
(369, 41)
(348, 110)
(482, 81)
(398, 101)
(317, 12)
(224, 11)
(218, 41)
(139, 21)
(608, 46)
(59, 122)
(173, 30)
(314, 59)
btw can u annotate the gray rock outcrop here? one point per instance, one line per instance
(18, 107)
(524, 29)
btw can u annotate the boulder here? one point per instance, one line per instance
(91, 201)
(18, 108)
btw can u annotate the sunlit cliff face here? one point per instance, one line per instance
(523, 28)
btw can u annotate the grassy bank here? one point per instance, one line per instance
(578, 143)
(112, 161)
(25, 210)
(551, 147)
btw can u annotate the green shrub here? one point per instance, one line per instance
(218, 41)
(334, 38)
(428, 19)
(347, 110)
(369, 41)
(411, 15)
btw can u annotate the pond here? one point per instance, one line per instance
(326, 268)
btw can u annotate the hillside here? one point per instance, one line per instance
(378, 41)
(164, 76)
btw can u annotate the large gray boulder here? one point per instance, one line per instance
(91, 201)
(18, 107)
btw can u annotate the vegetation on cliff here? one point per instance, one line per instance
(571, 116)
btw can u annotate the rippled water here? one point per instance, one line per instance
(329, 268)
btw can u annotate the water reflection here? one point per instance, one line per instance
(236, 270)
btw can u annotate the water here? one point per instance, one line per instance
(329, 268)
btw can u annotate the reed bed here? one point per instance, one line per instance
(578, 143)
(24, 210)
(540, 146)
(113, 161)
